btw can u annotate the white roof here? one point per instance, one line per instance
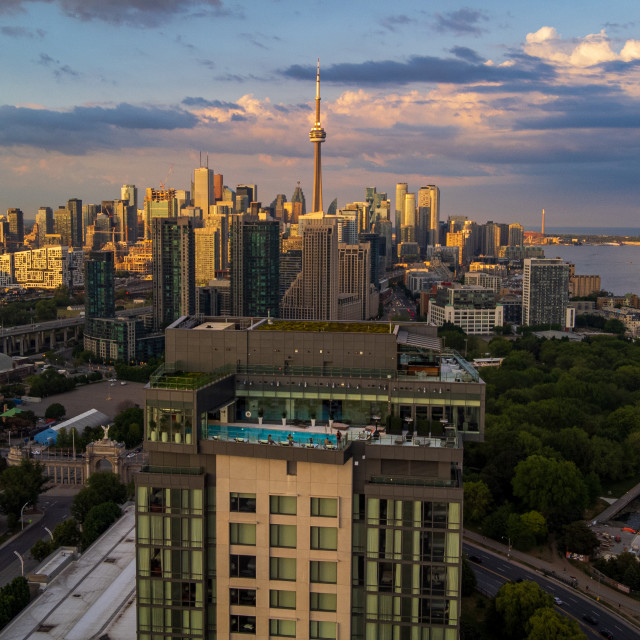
(91, 418)
(90, 597)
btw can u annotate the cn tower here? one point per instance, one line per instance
(317, 135)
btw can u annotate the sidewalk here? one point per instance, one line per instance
(616, 600)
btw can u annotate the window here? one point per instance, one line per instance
(242, 533)
(292, 468)
(283, 505)
(243, 597)
(324, 507)
(322, 630)
(242, 502)
(282, 599)
(283, 535)
(282, 568)
(323, 601)
(242, 566)
(243, 624)
(324, 538)
(326, 572)
(285, 628)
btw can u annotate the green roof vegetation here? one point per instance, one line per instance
(336, 327)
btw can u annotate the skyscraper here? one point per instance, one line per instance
(429, 201)
(129, 193)
(317, 136)
(408, 228)
(62, 226)
(44, 220)
(218, 186)
(545, 291)
(313, 295)
(173, 270)
(299, 205)
(158, 203)
(74, 206)
(203, 192)
(401, 191)
(99, 285)
(16, 226)
(255, 266)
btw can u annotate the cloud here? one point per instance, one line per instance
(202, 102)
(259, 39)
(59, 70)
(86, 128)
(392, 22)
(464, 53)
(142, 13)
(423, 69)
(21, 32)
(462, 22)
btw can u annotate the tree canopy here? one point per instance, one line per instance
(21, 485)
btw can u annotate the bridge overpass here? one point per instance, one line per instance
(46, 336)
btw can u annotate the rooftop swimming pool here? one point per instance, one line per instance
(260, 435)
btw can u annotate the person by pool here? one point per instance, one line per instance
(290, 439)
(270, 440)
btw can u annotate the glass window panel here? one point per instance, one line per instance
(323, 601)
(242, 533)
(324, 507)
(454, 515)
(243, 597)
(243, 624)
(284, 505)
(279, 599)
(285, 628)
(283, 535)
(322, 630)
(143, 528)
(242, 502)
(282, 568)
(324, 538)
(321, 571)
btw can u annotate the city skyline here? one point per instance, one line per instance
(506, 114)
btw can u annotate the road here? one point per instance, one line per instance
(55, 508)
(495, 570)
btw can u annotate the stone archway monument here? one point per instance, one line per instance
(105, 455)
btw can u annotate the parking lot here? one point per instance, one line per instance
(108, 397)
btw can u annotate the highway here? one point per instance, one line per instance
(55, 508)
(494, 570)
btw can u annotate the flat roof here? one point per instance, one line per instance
(214, 326)
(94, 595)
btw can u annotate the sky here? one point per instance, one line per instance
(509, 107)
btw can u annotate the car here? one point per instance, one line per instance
(558, 601)
(133, 454)
(606, 634)
(475, 559)
(589, 619)
(123, 383)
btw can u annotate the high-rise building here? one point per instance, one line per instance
(401, 191)
(408, 225)
(516, 235)
(355, 278)
(218, 186)
(299, 205)
(429, 203)
(545, 291)
(49, 268)
(277, 207)
(99, 285)
(62, 225)
(173, 247)
(248, 191)
(254, 265)
(129, 193)
(314, 293)
(207, 242)
(74, 206)
(322, 538)
(126, 221)
(159, 203)
(317, 135)
(44, 220)
(89, 213)
(16, 227)
(203, 192)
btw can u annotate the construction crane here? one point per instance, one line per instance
(163, 184)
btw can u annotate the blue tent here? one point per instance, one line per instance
(48, 436)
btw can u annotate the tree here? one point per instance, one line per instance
(41, 549)
(21, 485)
(61, 296)
(127, 427)
(546, 624)
(67, 534)
(45, 310)
(578, 538)
(14, 597)
(98, 520)
(469, 580)
(552, 487)
(535, 522)
(103, 486)
(516, 603)
(477, 500)
(55, 411)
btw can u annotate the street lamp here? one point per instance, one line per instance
(508, 539)
(49, 532)
(21, 513)
(21, 561)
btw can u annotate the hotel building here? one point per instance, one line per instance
(273, 506)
